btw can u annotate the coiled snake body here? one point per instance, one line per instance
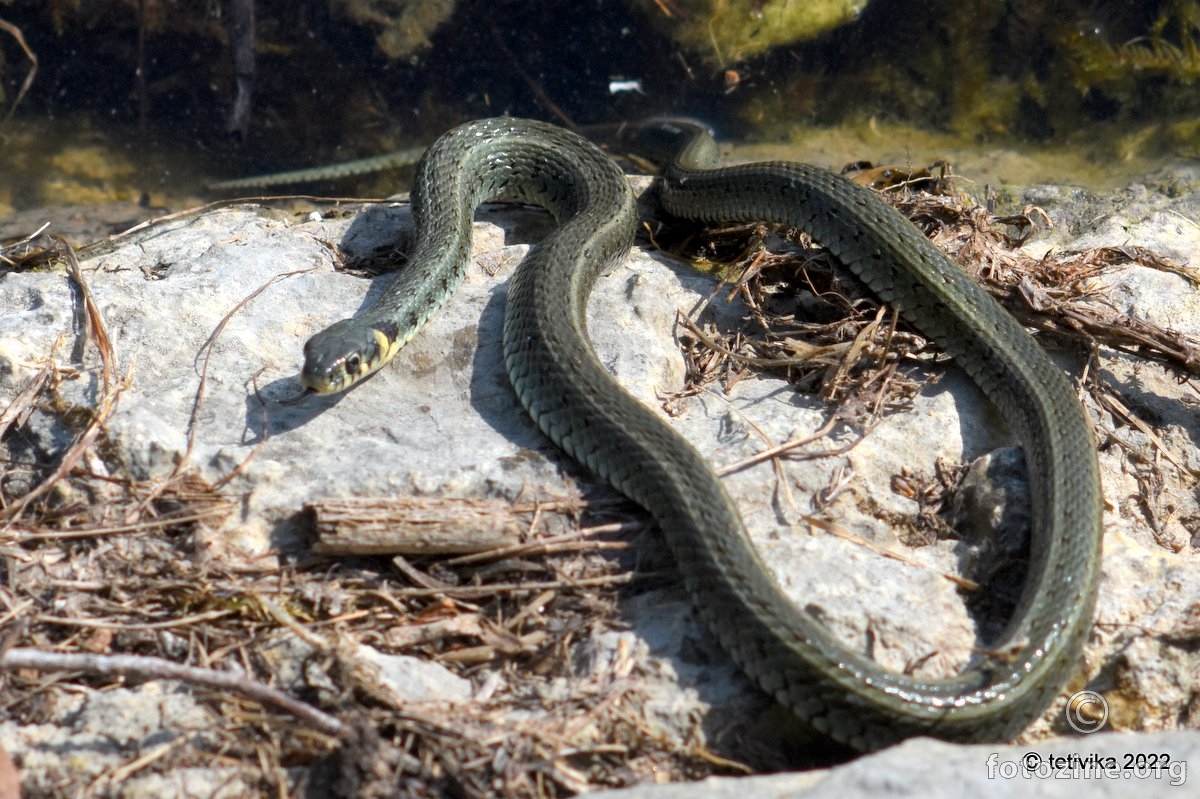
(579, 406)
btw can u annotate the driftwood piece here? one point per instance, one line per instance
(412, 525)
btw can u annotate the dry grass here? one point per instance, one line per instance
(106, 579)
(812, 322)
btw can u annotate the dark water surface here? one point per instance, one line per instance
(138, 103)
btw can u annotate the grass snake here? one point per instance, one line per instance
(583, 410)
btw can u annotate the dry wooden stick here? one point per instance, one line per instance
(412, 525)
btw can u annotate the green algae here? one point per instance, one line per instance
(404, 27)
(724, 32)
(1099, 158)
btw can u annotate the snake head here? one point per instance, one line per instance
(341, 355)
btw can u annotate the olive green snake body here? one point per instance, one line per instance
(581, 407)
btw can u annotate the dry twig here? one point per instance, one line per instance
(151, 668)
(15, 32)
(105, 406)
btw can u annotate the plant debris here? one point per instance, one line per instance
(822, 329)
(108, 575)
(815, 324)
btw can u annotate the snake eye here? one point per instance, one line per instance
(353, 364)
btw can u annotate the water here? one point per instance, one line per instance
(137, 109)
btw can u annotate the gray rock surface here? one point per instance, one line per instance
(97, 731)
(442, 420)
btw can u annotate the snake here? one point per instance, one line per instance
(578, 405)
(362, 166)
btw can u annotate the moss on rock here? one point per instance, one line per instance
(727, 31)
